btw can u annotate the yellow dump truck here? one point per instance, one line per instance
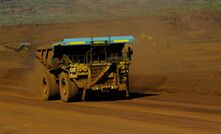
(77, 65)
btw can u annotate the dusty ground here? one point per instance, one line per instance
(142, 114)
(176, 69)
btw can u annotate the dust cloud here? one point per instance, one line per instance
(171, 53)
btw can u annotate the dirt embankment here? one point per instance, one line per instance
(172, 53)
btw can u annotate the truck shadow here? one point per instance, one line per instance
(115, 96)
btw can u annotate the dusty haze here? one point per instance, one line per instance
(175, 74)
(170, 53)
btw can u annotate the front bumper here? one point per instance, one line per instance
(106, 88)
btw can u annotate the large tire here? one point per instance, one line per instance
(49, 89)
(68, 89)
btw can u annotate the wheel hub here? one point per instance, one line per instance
(44, 88)
(64, 87)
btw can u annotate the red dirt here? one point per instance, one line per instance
(169, 53)
(177, 60)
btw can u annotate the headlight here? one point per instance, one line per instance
(73, 70)
(122, 67)
(80, 69)
(85, 69)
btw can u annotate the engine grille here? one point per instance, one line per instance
(96, 70)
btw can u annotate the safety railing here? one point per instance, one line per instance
(85, 59)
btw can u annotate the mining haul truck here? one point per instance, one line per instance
(77, 65)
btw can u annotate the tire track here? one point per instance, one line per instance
(174, 118)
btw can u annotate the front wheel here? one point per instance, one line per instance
(68, 89)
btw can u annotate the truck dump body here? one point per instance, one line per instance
(100, 63)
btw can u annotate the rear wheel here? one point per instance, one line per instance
(68, 89)
(49, 88)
